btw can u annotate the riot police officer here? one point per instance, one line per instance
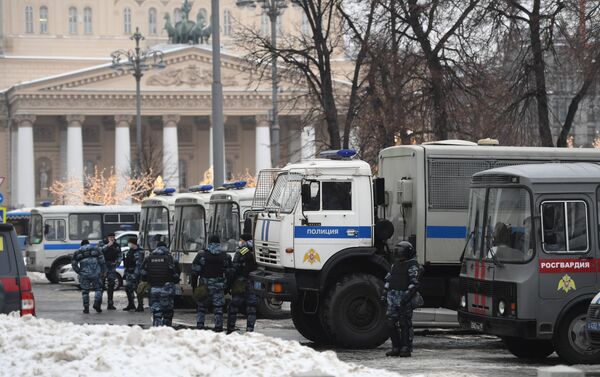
(209, 272)
(113, 257)
(133, 263)
(402, 296)
(160, 270)
(88, 263)
(241, 285)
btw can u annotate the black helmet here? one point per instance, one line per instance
(404, 250)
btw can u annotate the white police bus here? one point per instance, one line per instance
(55, 232)
(157, 218)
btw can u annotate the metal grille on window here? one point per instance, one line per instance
(264, 184)
(292, 192)
(449, 180)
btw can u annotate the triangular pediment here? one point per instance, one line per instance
(187, 69)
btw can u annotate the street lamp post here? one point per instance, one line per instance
(136, 61)
(273, 9)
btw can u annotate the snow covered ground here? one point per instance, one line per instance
(39, 347)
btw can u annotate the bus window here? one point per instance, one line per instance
(54, 230)
(564, 226)
(85, 226)
(37, 230)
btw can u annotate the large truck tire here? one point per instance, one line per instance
(354, 314)
(528, 348)
(571, 340)
(268, 310)
(308, 325)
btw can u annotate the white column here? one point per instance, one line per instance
(263, 143)
(25, 193)
(170, 151)
(75, 156)
(307, 142)
(122, 152)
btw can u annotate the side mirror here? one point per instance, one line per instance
(379, 191)
(305, 192)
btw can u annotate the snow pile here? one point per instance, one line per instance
(39, 347)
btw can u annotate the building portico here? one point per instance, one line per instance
(69, 125)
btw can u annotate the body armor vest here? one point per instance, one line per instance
(248, 263)
(215, 266)
(158, 270)
(399, 279)
(111, 254)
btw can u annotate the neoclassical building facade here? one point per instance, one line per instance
(64, 111)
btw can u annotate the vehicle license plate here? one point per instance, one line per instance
(478, 326)
(257, 285)
(593, 326)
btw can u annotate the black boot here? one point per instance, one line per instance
(130, 304)
(97, 307)
(86, 310)
(406, 343)
(395, 338)
(140, 307)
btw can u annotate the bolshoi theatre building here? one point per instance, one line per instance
(64, 111)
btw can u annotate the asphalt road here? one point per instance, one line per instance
(438, 352)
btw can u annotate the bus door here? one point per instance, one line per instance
(567, 260)
(478, 269)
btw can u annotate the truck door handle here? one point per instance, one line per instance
(351, 232)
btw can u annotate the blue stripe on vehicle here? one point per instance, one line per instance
(435, 231)
(64, 246)
(267, 232)
(331, 231)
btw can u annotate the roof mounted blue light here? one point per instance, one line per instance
(200, 188)
(340, 154)
(46, 203)
(235, 185)
(165, 191)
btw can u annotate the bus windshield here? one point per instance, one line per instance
(285, 192)
(225, 223)
(36, 233)
(191, 234)
(508, 230)
(156, 222)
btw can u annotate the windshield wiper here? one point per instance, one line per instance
(495, 258)
(462, 255)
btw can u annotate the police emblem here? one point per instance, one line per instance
(566, 284)
(311, 257)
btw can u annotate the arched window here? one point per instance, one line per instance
(72, 20)
(29, 19)
(177, 15)
(127, 21)
(87, 20)
(152, 21)
(226, 22)
(264, 24)
(305, 27)
(43, 19)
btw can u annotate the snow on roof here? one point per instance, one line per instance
(42, 347)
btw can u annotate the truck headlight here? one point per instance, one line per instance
(501, 307)
(463, 301)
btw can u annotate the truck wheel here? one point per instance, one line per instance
(528, 348)
(268, 310)
(308, 325)
(354, 314)
(571, 340)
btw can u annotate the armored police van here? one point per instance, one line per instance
(321, 240)
(530, 264)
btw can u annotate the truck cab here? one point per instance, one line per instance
(315, 245)
(157, 218)
(529, 268)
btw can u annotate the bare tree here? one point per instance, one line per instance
(307, 58)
